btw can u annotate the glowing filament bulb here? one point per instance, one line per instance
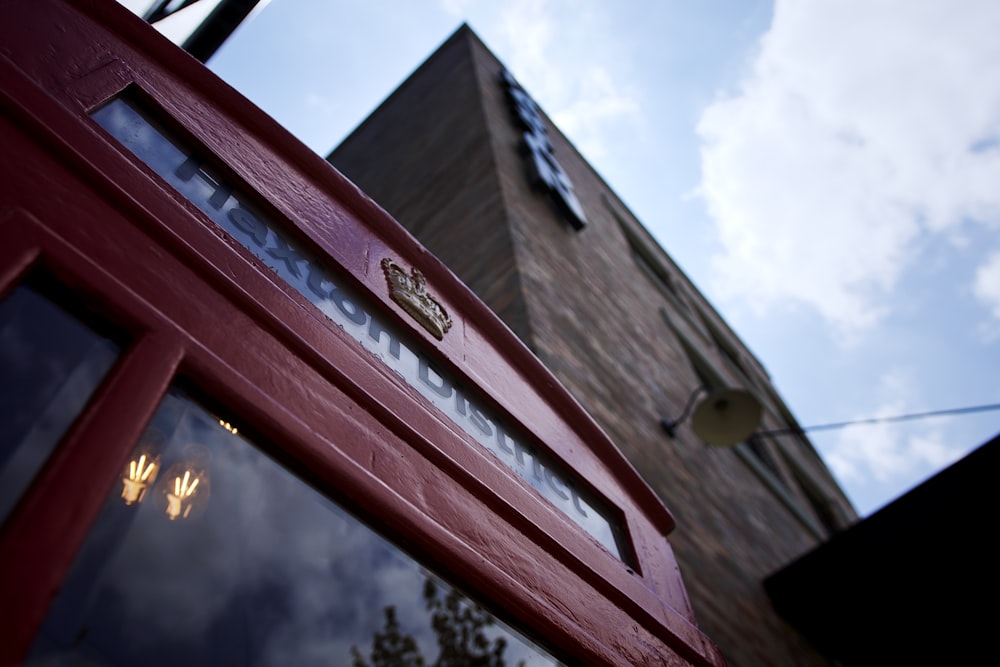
(183, 489)
(138, 479)
(145, 475)
(229, 427)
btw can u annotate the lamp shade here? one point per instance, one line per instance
(726, 417)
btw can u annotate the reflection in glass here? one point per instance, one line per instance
(141, 474)
(266, 572)
(50, 364)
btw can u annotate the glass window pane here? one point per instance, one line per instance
(209, 552)
(50, 364)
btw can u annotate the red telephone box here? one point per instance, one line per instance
(249, 419)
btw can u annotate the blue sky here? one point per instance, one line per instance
(826, 171)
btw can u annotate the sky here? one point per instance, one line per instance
(827, 172)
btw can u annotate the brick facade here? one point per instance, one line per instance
(607, 310)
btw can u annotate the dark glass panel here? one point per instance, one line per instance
(50, 365)
(211, 553)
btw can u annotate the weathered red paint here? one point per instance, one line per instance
(198, 307)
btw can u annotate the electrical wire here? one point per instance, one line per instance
(878, 420)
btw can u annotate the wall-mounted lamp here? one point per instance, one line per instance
(723, 417)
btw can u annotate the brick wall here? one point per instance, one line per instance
(442, 156)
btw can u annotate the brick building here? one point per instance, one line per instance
(462, 158)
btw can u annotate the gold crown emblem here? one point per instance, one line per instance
(409, 292)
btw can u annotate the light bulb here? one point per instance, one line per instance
(184, 489)
(140, 473)
(179, 502)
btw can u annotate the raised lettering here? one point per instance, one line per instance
(502, 440)
(375, 331)
(350, 309)
(536, 465)
(545, 170)
(576, 501)
(318, 280)
(188, 168)
(460, 402)
(248, 223)
(527, 112)
(479, 421)
(193, 166)
(542, 165)
(555, 484)
(424, 373)
(285, 253)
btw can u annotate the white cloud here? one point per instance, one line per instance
(987, 284)
(986, 288)
(553, 55)
(881, 453)
(863, 130)
(458, 8)
(528, 27)
(597, 104)
(893, 454)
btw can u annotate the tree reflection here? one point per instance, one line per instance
(460, 627)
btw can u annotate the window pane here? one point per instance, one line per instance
(50, 364)
(209, 553)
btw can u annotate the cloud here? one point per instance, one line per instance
(528, 27)
(457, 8)
(987, 284)
(598, 104)
(863, 131)
(553, 55)
(986, 288)
(890, 453)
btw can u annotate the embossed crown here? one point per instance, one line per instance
(409, 292)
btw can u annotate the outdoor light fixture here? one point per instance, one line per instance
(723, 417)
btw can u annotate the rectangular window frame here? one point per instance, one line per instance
(616, 537)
